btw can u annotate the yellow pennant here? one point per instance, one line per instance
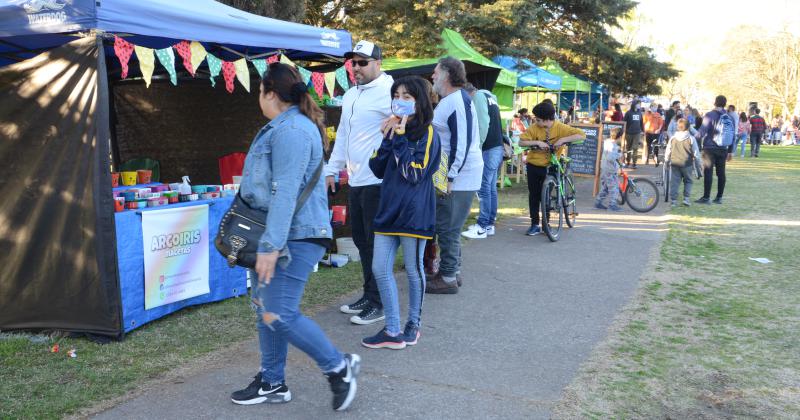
(242, 73)
(147, 62)
(330, 82)
(285, 60)
(198, 54)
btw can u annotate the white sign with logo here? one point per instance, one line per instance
(45, 11)
(175, 254)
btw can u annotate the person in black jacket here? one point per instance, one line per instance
(634, 127)
(406, 161)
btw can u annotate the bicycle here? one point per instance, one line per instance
(558, 195)
(641, 194)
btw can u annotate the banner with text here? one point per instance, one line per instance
(175, 254)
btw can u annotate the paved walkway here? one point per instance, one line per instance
(505, 346)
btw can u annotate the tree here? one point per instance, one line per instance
(292, 11)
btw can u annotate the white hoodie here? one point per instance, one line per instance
(359, 134)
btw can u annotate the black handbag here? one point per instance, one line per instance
(242, 227)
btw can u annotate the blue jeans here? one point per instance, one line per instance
(281, 300)
(740, 138)
(382, 267)
(492, 159)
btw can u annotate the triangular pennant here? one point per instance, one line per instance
(305, 74)
(261, 67)
(123, 49)
(167, 59)
(214, 67)
(341, 77)
(330, 82)
(349, 66)
(198, 54)
(147, 62)
(184, 49)
(285, 60)
(273, 59)
(229, 73)
(242, 73)
(318, 79)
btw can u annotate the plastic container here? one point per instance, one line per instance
(114, 179)
(128, 195)
(199, 189)
(144, 176)
(119, 204)
(157, 202)
(347, 247)
(141, 204)
(175, 186)
(128, 177)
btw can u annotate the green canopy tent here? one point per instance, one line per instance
(481, 71)
(569, 83)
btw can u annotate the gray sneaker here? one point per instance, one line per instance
(686, 202)
(369, 315)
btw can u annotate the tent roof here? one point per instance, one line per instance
(529, 74)
(28, 27)
(568, 81)
(455, 46)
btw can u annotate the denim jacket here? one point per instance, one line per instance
(282, 159)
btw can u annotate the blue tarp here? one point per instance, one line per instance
(529, 74)
(28, 27)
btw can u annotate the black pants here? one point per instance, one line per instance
(536, 176)
(651, 138)
(363, 203)
(714, 158)
(755, 144)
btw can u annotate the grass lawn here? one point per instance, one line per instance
(710, 334)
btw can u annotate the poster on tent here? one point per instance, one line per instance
(175, 254)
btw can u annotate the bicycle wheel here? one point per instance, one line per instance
(552, 212)
(570, 206)
(642, 195)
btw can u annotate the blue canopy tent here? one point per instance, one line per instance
(532, 79)
(589, 101)
(63, 102)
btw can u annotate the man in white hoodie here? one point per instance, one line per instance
(359, 135)
(456, 122)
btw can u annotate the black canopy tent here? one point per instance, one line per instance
(57, 213)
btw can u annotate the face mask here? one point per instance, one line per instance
(403, 108)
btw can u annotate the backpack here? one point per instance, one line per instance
(724, 130)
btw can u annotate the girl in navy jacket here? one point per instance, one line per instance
(406, 161)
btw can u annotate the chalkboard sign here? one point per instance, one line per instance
(585, 156)
(608, 125)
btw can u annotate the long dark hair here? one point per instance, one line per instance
(286, 82)
(417, 127)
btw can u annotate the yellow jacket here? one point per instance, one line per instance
(559, 130)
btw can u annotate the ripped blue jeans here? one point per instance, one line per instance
(280, 321)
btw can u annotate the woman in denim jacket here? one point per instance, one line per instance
(283, 158)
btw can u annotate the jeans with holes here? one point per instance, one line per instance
(383, 268)
(492, 159)
(281, 300)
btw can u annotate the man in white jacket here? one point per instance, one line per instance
(456, 122)
(359, 135)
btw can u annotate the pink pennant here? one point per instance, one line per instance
(123, 49)
(273, 59)
(229, 72)
(318, 79)
(184, 49)
(348, 64)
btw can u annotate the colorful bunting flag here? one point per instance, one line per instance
(318, 79)
(273, 59)
(305, 74)
(341, 77)
(261, 67)
(214, 67)
(198, 55)
(185, 51)
(147, 62)
(242, 73)
(330, 82)
(348, 64)
(167, 59)
(123, 49)
(285, 60)
(229, 73)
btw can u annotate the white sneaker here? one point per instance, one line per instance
(490, 230)
(477, 233)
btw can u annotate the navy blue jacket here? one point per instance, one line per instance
(408, 199)
(706, 132)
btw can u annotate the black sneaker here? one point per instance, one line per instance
(260, 392)
(382, 340)
(355, 307)
(703, 200)
(411, 334)
(343, 384)
(717, 200)
(369, 315)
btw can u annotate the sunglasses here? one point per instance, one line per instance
(362, 63)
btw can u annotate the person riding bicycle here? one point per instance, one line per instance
(544, 132)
